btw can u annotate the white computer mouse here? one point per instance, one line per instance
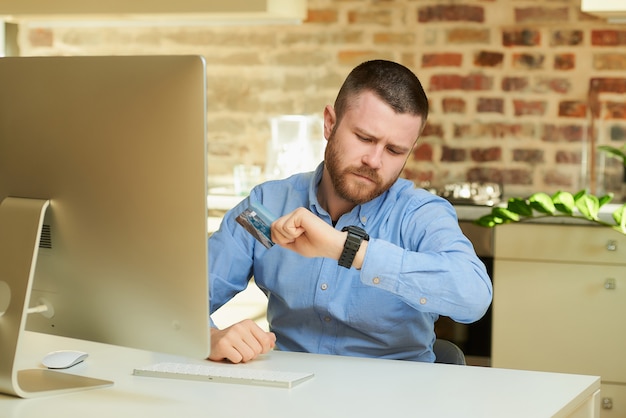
(63, 359)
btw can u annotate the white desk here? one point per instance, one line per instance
(342, 387)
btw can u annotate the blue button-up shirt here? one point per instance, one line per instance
(418, 265)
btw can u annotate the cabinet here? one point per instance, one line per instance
(560, 304)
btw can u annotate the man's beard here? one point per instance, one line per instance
(349, 190)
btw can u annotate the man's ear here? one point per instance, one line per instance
(330, 118)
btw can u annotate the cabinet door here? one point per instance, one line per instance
(612, 401)
(566, 243)
(560, 317)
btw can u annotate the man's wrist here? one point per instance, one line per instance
(360, 256)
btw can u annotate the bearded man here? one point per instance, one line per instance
(365, 263)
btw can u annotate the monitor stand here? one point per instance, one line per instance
(20, 231)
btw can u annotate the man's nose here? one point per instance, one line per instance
(374, 157)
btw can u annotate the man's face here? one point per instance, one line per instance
(369, 147)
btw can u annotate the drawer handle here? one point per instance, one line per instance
(609, 284)
(611, 245)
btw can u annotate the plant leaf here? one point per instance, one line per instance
(579, 194)
(606, 199)
(619, 215)
(615, 152)
(519, 206)
(589, 206)
(542, 202)
(489, 221)
(564, 202)
(505, 214)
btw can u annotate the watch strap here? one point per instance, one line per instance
(353, 242)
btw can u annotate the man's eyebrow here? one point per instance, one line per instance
(398, 148)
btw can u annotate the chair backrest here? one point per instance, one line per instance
(447, 352)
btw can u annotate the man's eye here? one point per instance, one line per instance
(394, 151)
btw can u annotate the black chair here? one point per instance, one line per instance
(447, 352)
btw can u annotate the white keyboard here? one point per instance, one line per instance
(224, 373)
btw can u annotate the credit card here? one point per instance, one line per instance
(257, 220)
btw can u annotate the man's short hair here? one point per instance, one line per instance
(393, 83)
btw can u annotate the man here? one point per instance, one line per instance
(364, 262)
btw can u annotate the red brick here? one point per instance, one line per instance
(418, 176)
(568, 157)
(557, 85)
(473, 82)
(450, 59)
(573, 109)
(524, 37)
(490, 105)
(609, 61)
(450, 154)
(371, 16)
(486, 154)
(321, 16)
(528, 61)
(453, 105)
(485, 174)
(608, 85)
(517, 176)
(541, 15)
(488, 59)
(525, 108)
(468, 36)
(433, 129)
(556, 178)
(514, 83)
(494, 130)
(531, 156)
(423, 152)
(451, 13)
(608, 37)
(564, 61)
(567, 37)
(565, 133)
(615, 110)
(512, 176)
(445, 82)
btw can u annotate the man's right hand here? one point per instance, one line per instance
(241, 342)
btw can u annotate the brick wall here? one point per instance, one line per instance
(508, 80)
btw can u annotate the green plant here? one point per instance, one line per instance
(582, 205)
(615, 152)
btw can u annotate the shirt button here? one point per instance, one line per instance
(363, 219)
(327, 318)
(324, 286)
(423, 301)
(376, 280)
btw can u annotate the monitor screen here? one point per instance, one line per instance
(117, 145)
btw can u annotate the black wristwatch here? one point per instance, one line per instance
(353, 242)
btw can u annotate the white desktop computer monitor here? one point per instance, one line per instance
(115, 148)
